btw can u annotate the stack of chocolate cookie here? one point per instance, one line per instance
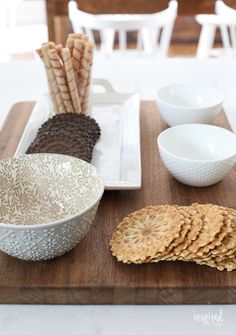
(69, 134)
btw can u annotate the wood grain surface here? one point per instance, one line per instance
(89, 274)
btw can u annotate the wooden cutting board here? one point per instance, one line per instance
(89, 274)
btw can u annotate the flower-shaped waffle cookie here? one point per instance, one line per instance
(145, 233)
(204, 234)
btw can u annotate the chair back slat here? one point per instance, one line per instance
(122, 39)
(147, 26)
(90, 33)
(232, 31)
(156, 33)
(166, 37)
(225, 20)
(107, 37)
(225, 37)
(228, 32)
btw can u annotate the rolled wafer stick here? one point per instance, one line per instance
(50, 45)
(79, 43)
(69, 73)
(78, 48)
(45, 49)
(70, 44)
(51, 78)
(85, 76)
(70, 41)
(70, 76)
(86, 97)
(76, 36)
(84, 39)
(59, 73)
(59, 48)
(78, 51)
(51, 90)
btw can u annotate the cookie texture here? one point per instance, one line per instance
(69, 134)
(200, 233)
(145, 233)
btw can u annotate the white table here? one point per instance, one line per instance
(25, 80)
(21, 81)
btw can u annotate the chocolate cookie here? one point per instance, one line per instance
(69, 133)
(60, 144)
(72, 122)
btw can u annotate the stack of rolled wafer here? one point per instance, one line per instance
(205, 234)
(69, 73)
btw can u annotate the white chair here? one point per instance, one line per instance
(154, 31)
(225, 20)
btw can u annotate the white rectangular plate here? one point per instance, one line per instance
(117, 154)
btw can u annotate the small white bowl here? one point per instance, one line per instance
(189, 103)
(48, 203)
(197, 154)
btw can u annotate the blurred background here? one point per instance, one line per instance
(25, 24)
(161, 41)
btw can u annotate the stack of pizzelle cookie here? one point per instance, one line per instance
(205, 234)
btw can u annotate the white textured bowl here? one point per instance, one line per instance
(48, 203)
(189, 103)
(197, 154)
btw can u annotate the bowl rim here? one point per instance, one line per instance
(66, 219)
(190, 159)
(192, 108)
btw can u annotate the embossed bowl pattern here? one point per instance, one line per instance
(48, 203)
(189, 103)
(197, 154)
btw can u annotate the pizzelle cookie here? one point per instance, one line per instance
(212, 222)
(205, 234)
(143, 234)
(225, 230)
(196, 226)
(224, 264)
(228, 243)
(185, 228)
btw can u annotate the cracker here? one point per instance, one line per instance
(145, 233)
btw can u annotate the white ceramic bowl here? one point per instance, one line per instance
(197, 154)
(48, 203)
(189, 103)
